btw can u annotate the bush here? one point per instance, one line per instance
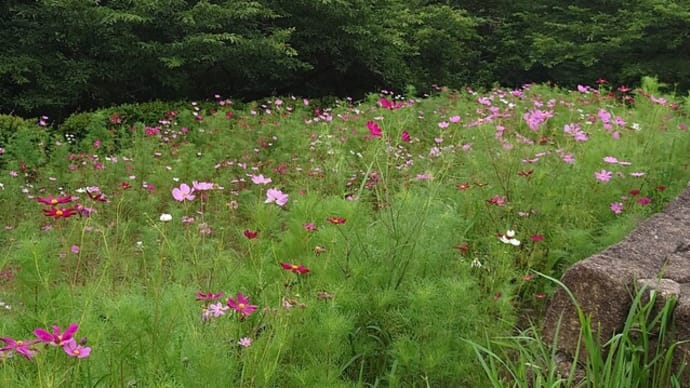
(25, 144)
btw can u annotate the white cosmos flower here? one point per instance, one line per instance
(165, 217)
(509, 238)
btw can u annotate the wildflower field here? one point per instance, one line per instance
(290, 243)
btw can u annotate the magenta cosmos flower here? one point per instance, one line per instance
(277, 196)
(56, 337)
(374, 129)
(19, 346)
(183, 193)
(300, 269)
(52, 201)
(241, 305)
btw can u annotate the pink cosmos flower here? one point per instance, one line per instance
(260, 179)
(617, 207)
(603, 175)
(277, 196)
(310, 227)
(183, 193)
(604, 116)
(56, 337)
(74, 350)
(241, 305)
(454, 119)
(568, 158)
(245, 342)
(202, 186)
(216, 310)
(496, 200)
(610, 159)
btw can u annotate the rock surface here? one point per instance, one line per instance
(656, 255)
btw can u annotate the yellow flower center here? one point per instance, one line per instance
(75, 352)
(54, 201)
(59, 213)
(294, 267)
(241, 306)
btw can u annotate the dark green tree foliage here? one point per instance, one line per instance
(358, 46)
(617, 40)
(59, 56)
(64, 55)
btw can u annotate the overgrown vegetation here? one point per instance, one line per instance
(359, 244)
(641, 355)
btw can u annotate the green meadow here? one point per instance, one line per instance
(386, 242)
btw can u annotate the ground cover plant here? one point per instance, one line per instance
(290, 243)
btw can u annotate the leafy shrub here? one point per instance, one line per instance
(24, 143)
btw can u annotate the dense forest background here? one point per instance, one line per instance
(61, 56)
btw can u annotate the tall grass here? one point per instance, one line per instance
(640, 355)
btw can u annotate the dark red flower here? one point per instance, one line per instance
(251, 234)
(634, 192)
(300, 269)
(644, 201)
(463, 248)
(208, 295)
(537, 237)
(336, 220)
(125, 185)
(59, 212)
(115, 119)
(96, 195)
(463, 186)
(660, 188)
